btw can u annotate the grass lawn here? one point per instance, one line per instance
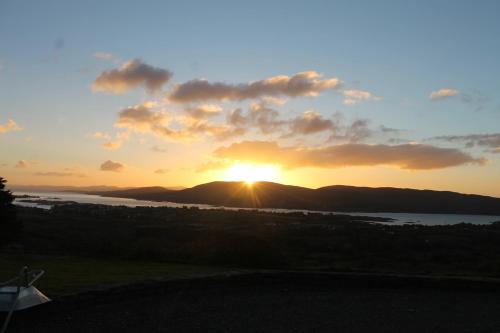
(64, 274)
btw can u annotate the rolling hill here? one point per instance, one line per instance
(329, 198)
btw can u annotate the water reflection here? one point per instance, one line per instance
(45, 200)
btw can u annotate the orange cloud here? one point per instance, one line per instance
(9, 126)
(203, 111)
(404, 156)
(112, 166)
(111, 145)
(301, 84)
(59, 174)
(158, 149)
(22, 164)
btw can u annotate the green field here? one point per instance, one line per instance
(64, 274)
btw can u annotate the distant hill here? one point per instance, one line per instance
(330, 198)
(77, 189)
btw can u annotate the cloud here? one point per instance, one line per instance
(103, 56)
(131, 75)
(100, 135)
(274, 100)
(390, 130)
(9, 126)
(259, 116)
(203, 111)
(140, 118)
(301, 84)
(267, 121)
(474, 99)
(111, 145)
(264, 118)
(310, 122)
(112, 166)
(218, 131)
(161, 171)
(22, 164)
(351, 97)
(481, 140)
(404, 156)
(357, 131)
(212, 165)
(158, 149)
(443, 94)
(59, 174)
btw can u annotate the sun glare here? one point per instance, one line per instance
(250, 173)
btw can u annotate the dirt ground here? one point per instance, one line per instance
(284, 306)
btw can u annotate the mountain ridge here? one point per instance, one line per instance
(342, 198)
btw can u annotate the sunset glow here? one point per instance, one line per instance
(326, 105)
(252, 173)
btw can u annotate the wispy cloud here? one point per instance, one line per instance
(301, 84)
(103, 56)
(404, 156)
(474, 99)
(111, 142)
(100, 135)
(112, 166)
(59, 174)
(161, 171)
(112, 145)
(203, 111)
(443, 94)
(9, 126)
(22, 164)
(159, 149)
(131, 75)
(357, 131)
(471, 140)
(353, 96)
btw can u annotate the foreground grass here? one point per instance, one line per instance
(64, 274)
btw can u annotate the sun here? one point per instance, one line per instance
(251, 173)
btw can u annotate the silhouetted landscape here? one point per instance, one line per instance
(250, 166)
(330, 198)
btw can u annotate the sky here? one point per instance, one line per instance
(309, 93)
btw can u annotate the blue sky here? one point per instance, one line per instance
(400, 51)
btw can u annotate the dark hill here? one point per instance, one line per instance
(330, 198)
(152, 193)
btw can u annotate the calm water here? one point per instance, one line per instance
(400, 218)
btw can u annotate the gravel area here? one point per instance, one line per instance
(288, 306)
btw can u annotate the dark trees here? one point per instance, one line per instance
(9, 226)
